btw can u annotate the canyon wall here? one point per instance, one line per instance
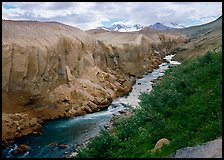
(52, 70)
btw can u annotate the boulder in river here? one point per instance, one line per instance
(62, 145)
(122, 112)
(21, 149)
(53, 144)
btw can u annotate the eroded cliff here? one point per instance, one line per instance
(52, 70)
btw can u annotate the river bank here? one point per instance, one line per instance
(80, 129)
(92, 98)
(191, 90)
(145, 84)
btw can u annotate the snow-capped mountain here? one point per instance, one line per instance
(123, 28)
(105, 28)
(136, 27)
(176, 25)
(159, 26)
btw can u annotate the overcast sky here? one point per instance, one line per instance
(89, 15)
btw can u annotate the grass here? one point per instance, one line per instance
(185, 107)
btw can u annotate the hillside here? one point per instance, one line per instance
(199, 39)
(203, 38)
(191, 90)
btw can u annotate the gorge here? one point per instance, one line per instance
(78, 130)
(51, 70)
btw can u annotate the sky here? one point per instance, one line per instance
(89, 15)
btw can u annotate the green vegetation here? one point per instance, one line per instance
(185, 107)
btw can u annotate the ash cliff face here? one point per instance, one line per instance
(52, 70)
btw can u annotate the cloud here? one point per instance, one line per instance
(87, 15)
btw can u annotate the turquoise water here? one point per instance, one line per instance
(71, 131)
(75, 131)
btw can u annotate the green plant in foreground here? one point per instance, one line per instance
(185, 107)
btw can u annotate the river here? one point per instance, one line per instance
(75, 131)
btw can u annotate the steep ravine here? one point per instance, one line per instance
(51, 70)
(77, 131)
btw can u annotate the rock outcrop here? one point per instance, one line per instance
(211, 149)
(17, 125)
(21, 149)
(159, 144)
(52, 70)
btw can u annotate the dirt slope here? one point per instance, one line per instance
(203, 38)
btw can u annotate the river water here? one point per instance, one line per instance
(75, 131)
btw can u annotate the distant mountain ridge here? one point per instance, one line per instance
(176, 25)
(159, 26)
(136, 27)
(122, 27)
